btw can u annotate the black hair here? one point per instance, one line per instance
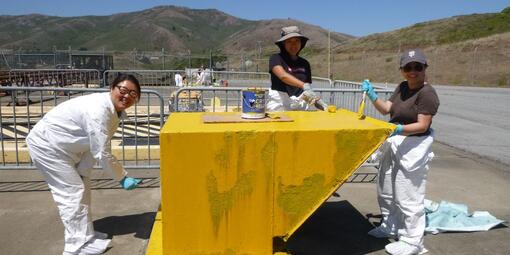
(281, 44)
(127, 77)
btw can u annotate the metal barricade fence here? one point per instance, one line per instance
(147, 78)
(55, 78)
(211, 99)
(135, 144)
(340, 84)
(227, 78)
(319, 82)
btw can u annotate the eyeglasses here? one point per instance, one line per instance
(124, 90)
(418, 67)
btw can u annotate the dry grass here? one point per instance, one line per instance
(480, 62)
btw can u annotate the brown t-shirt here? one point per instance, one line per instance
(407, 104)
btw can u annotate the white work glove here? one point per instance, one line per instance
(296, 103)
(308, 95)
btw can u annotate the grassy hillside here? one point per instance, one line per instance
(432, 33)
(465, 50)
(177, 29)
(462, 50)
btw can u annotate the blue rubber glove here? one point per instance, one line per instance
(397, 130)
(129, 183)
(367, 87)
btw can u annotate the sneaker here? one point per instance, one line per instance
(100, 235)
(379, 232)
(403, 248)
(95, 246)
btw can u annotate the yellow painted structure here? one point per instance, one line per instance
(229, 188)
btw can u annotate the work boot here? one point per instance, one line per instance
(403, 248)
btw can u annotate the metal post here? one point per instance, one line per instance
(19, 58)
(163, 57)
(70, 57)
(211, 66)
(329, 54)
(189, 58)
(54, 56)
(473, 66)
(134, 55)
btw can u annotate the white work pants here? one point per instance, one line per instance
(401, 195)
(70, 192)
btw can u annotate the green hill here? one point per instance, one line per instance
(467, 50)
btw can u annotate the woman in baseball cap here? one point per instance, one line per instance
(405, 155)
(291, 75)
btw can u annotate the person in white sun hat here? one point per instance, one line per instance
(405, 155)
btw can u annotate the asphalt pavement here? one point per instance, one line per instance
(29, 222)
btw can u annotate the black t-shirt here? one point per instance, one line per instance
(407, 104)
(299, 68)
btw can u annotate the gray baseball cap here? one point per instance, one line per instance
(414, 55)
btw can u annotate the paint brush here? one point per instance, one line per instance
(361, 116)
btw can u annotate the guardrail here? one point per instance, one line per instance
(135, 144)
(54, 77)
(147, 78)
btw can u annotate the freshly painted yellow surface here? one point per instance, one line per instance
(155, 246)
(229, 188)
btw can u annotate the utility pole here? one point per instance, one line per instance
(70, 57)
(163, 57)
(329, 54)
(473, 66)
(259, 55)
(189, 58)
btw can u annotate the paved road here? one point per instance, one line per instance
(475, 120)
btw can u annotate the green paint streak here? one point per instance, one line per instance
(296, 200)
(222, 157)
(222, 202)
(246, 138)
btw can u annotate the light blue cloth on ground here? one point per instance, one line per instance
(447, 216)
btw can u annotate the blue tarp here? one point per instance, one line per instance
(447, 216)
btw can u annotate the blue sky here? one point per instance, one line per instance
(359, 18)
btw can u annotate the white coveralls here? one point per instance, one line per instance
(178, 80)
(65, 145)
(402, 178)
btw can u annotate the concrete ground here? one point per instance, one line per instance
(29, 222)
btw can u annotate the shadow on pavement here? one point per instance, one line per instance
(139, 224)
(27, 186)
(335, 228)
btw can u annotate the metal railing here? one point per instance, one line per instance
(147, 78)
(54, 77)
(216, 99)
(135, 144)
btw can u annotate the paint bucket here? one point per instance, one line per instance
(254, 103)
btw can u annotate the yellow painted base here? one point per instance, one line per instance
(155, 246)
(230, 188)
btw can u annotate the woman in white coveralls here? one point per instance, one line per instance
(405, 155)
(66, 143)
